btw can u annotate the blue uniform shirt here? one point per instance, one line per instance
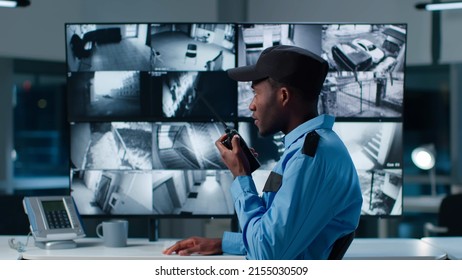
(312, 197)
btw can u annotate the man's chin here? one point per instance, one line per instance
(267, 132)
(264, 133)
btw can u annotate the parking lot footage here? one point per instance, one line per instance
(366, 77)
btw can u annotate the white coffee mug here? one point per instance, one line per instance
(114, 233)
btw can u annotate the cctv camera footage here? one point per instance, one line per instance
(147, 101)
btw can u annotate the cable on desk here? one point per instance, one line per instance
(18, 245)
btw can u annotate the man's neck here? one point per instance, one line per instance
(295, 122)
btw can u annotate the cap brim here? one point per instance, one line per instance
(245, 73)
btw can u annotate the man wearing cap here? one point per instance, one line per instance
(312, 196)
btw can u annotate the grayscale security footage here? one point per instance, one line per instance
(186, 146)
(112, 146)
(147, 101)
(376, 150)
(366, 65)
(108, 47)
(192, 47)
(156, 192)
(198, 95)
(105, 94)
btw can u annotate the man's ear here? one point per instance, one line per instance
(284, 95)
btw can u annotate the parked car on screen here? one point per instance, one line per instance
(376, 53)
(350, 57)
(386, 65)
(392, 45)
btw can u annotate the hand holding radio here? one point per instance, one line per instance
(242, 166)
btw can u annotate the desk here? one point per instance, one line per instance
(451, 245)
(392, 249)
(92, 248)
(137, 249)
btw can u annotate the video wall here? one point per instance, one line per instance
(147, 101)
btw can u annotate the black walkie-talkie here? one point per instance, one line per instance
(253, 161)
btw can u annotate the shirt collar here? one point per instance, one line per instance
(321, 121)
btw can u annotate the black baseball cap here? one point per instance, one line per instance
(289, 65)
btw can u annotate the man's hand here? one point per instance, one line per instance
(196, 245)
(234, 159)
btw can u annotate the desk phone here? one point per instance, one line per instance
(54, 221)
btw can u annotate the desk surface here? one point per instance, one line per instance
(451, 245)
(92, 248)
(137, 249)
(393, 249)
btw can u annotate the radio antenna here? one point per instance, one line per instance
(210, 107)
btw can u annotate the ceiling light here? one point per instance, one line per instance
(439, 6)
(14, 3)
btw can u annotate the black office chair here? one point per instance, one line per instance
(341, 246)
(191, 52)
(449, 221)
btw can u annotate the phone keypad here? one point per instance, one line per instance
(57, 219)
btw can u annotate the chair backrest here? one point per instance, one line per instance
(191, 51)
(192, 47)
(449, 214)
(341, 246)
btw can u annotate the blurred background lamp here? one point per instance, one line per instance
(424, 157)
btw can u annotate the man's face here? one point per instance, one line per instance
(266, 110)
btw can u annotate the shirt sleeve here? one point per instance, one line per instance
(232, 243)
(297, 213)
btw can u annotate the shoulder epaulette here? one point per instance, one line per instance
(311, 143)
